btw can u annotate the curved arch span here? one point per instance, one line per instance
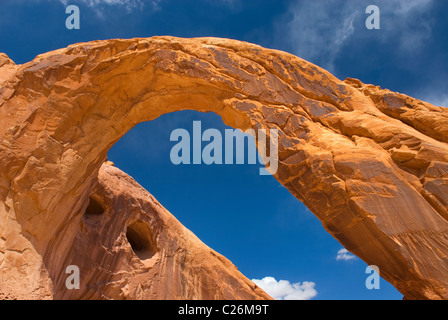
(369, 163)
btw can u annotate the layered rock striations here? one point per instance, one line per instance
(127, 246)
(371, 164)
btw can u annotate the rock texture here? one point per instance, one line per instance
(370, 163)
(150, 256)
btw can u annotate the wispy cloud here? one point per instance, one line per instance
(284, 290)
(318, 31)
(408, 23)
(98, 5)
(129, 5)
(344, 255)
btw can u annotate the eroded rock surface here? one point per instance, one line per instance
(128, 246)
(371, 164)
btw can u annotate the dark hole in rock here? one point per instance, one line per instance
(94, 208)
(139, 237)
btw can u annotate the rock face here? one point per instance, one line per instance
(154, 257)
(371, 164)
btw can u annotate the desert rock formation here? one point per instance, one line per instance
(371, 164)
(156, 258)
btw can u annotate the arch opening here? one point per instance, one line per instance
(215, 201)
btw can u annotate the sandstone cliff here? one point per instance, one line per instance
(371, 164)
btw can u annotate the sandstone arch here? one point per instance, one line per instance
(370, 163)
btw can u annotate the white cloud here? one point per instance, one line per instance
(408, 5)
(284, 290)
(128, 4)
(344, 255)
(319, 30)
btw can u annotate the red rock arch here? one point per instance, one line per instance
(370, 163)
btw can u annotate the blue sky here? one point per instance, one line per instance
(252, 219)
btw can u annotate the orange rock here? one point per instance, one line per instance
(127, 246)
(371, 164)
